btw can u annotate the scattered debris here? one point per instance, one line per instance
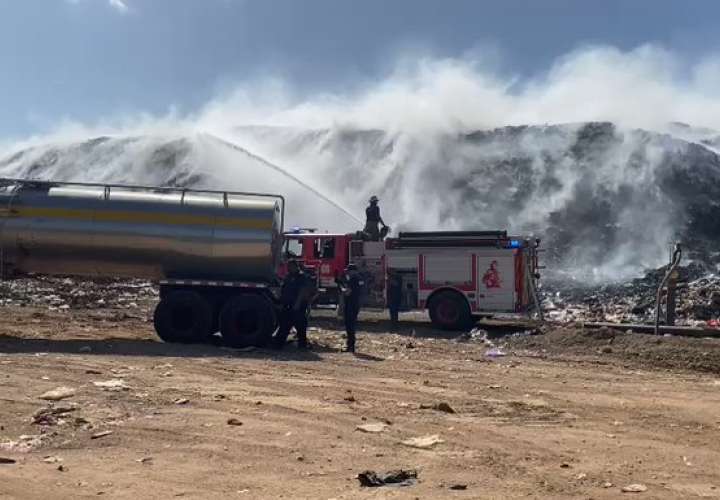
(459, 487)
(495, 353)
(144, 460)
(51, 415)
(64, 293)
(423, 442)
(234, 421)
(101, 434)
(114, 385)
(52, 460)
(399, 477)
(181, 401)
(475, 335)
(24, 444)
(372, 428)
(444, 407)
(91, 371)
(7, 461)
(58, 394)
(85, 349)
(634, 488)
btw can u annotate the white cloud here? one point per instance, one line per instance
(118, 5)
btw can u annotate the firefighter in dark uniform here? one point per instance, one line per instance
(295, 295)
(373, 219)
(351, 286)
(394, 297)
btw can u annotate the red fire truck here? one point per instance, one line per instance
(455, 275)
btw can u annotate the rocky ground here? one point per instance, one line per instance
(93, 405)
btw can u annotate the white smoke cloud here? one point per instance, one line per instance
(416, 165)
(647, 87)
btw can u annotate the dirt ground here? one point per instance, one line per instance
(568, 414)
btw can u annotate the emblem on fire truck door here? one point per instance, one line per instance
(491, 278)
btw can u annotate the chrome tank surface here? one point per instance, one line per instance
(140, 232)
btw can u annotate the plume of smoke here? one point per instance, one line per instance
(409, 138)
(648, 87)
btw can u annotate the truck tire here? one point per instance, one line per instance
(450, 311)
(183, 317)
(247, 320)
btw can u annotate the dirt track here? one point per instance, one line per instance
(555, 423)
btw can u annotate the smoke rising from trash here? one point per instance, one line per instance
(593, 155)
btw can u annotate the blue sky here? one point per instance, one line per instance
(90, 59)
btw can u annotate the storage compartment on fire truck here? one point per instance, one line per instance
(407, 268)
(369, 258)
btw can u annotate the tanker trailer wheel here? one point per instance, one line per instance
(450, 311)
(183, 316)
(247, 320)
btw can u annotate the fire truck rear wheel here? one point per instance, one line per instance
(247, 320)
(450, 311)
(183, 316)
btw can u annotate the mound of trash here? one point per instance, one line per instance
(65, 293)
(633, 301)
(604, 199)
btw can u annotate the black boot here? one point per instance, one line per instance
(303, 343)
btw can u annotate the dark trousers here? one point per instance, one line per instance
(394, 315)
(291, 318)
(351, 313)
(373, 230)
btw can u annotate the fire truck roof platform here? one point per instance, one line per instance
(454, 238)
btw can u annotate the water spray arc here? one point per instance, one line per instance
(284, 173)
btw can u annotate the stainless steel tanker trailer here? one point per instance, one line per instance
(214, 254)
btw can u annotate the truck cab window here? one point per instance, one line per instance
(293, 248)
(324, 248)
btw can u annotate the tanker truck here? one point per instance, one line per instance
(214, 254)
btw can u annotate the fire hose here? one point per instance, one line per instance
(677, 255)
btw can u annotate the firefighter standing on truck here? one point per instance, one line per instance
(373, 219)
(295, 296)
(351, 287)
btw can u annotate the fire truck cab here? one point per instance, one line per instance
(454, 275)
(326, 255)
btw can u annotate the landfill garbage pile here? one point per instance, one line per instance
(697, 299)
(603, 198)
(64, 293)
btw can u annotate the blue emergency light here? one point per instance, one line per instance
(514, 244)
